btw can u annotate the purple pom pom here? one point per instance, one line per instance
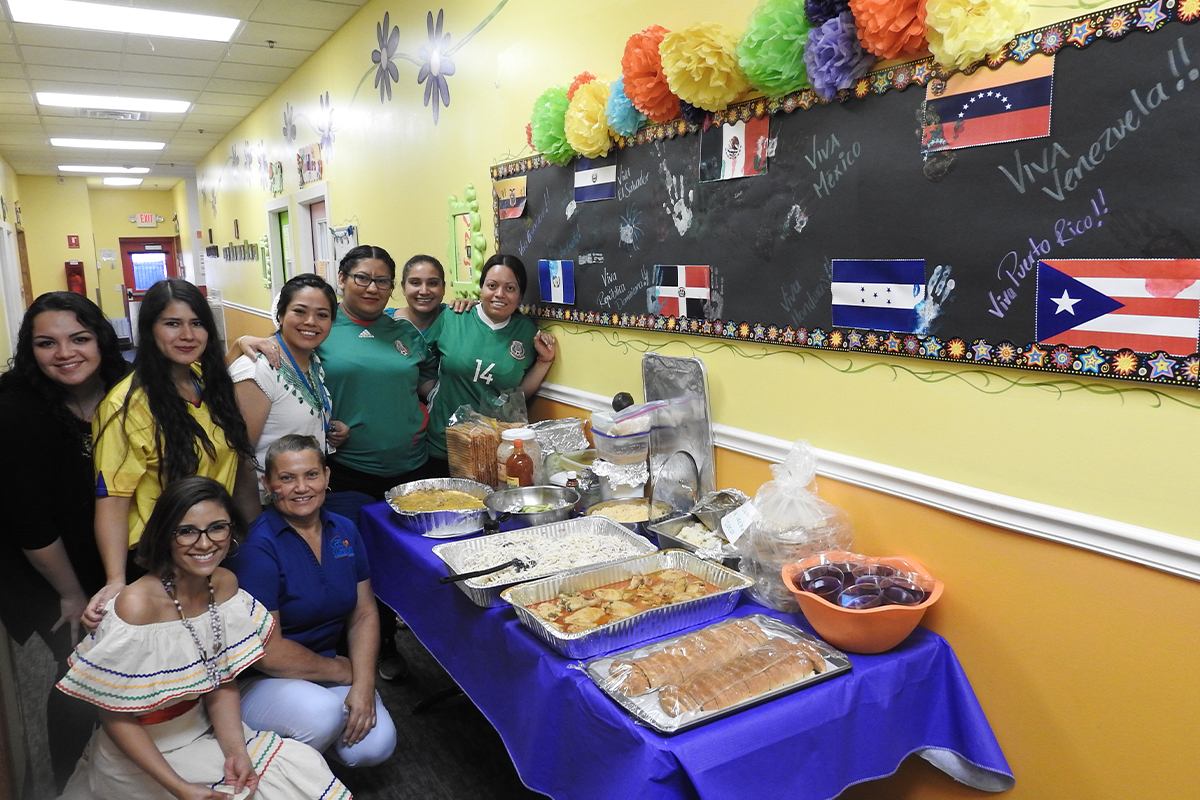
(834, 57)
(820, 11)
(692, 115)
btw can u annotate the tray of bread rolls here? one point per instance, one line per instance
(688, 680)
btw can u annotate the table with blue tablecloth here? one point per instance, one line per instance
(568, 740)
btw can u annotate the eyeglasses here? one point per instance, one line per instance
(363, 280)
(188, 535)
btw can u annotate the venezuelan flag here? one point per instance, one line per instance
(1006, 104)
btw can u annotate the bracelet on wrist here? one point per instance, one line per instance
(545, 360)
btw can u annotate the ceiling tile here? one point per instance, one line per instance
(283, 35)
(166, 65)
(267, 56)
(50, 36)
(75, 59)
(305, 13)
(185, 86)
(259, 89)
(238, 103)
(252, 72)
(175, 48)
(8, 53)
(69, 75)
(11, 71)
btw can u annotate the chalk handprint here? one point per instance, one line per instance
(938, 294)
(678, 201)
(715, 305)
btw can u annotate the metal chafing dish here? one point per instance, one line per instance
(441, 524)
(487, 594)
(650, 624)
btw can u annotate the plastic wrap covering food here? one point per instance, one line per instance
(560, 435)
(637, 418)
(680, 682)
(471, 442)
(852, 580)
(790, 523)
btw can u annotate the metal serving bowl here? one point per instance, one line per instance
(505, 506)
(441, 524)
(656, 513)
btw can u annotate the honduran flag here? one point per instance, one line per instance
(595, 179)
(736, 150)
(880, 295)
(1145, 305)
(679, 291)
(1006, 104)
(557, 281)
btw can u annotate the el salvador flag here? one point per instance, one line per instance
(878, 294)
(595, 179)
(557, 281)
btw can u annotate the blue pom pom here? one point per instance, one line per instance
(622, 116)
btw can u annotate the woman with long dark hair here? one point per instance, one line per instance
(175, 416)
(65, 361)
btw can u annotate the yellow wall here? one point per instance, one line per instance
(111, 209)
(8, 191)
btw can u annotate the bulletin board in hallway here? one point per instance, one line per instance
(1113, 185)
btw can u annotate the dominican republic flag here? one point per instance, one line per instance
(738, 150)
(595, 179)
(1006, 104)
(679, 291)
(1145, 305)
(557, 281)
(880, 295)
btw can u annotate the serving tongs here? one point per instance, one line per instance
(520, 563)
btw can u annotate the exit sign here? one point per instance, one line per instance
(147, 221)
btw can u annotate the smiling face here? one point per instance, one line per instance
(297, 483)
(201, 557)
(365, 303)
(307, 319)
(500, 293)
(179, 334)
(424, 287)
(66, 352)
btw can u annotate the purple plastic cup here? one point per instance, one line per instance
(860, 596)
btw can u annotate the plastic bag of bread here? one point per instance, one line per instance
(790, 522)
(471, 442)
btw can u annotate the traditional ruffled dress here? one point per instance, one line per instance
(155, 672)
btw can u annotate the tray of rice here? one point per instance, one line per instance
(440, 508)
(618, 605)
(568, 546)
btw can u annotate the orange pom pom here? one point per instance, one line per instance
(890, 28)
(645, 84)
(580, 80)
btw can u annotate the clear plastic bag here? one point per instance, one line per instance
(790, 523)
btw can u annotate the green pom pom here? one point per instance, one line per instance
(548, 134)
(771, 51)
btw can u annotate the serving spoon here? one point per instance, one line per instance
(519, 563)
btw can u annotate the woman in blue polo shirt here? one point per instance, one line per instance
(309, 568)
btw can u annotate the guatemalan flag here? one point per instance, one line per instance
(679, 291)
(595, 179)
(880, 295)
(557, 281)
(1145, 305)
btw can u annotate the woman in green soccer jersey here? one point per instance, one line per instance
(490, 350)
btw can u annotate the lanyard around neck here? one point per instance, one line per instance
(322, 395)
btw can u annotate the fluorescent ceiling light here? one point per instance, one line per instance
(107, 144)
(113, 170)
(112, 103)
(122, 181)
(123, 19)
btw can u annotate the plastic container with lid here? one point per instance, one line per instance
(627, 449)
(507, 439)
(635, 419)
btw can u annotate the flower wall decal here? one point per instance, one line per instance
(436, 65)
(289, 124)
(386, 72)
(325, 126)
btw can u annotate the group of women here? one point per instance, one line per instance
(148, 499)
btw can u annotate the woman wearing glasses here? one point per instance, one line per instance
(161, 669)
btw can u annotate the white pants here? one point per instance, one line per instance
(316, 715)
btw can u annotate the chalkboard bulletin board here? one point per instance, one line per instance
(1118, 178)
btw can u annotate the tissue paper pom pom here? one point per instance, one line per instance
(587, 120)
(692, 115)
(623, 118)
(890, 28)
(529, 134)
(834, 56)
(771, 51)
(580, 80)
(819, 11)
(963, 32)
(700, 63)
(645, 83)
(546, 126)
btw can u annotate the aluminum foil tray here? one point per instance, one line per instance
(666, 533)
(646, 709)
(487, 595)
(441, 524)
(650, 624)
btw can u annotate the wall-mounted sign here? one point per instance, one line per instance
(147, 221)
(308, 161)
(73, 242)
(105, 254)
(275, 171)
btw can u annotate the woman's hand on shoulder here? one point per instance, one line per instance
(252, 345)
(461, 304)
(546, 346)
(95, 608)
(139, 603)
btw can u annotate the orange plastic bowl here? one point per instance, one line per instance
(867, 630)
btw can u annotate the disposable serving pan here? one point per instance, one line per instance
(647, 710)
(649, 624)
(441, 524)
(666, 532)
(487, 595)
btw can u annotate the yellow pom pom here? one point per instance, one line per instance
(587, 120)
(960, 32)
(701, 66)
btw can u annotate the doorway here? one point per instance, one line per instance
(144, 262)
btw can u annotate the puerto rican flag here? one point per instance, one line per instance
(679, 291)
(1145, 305)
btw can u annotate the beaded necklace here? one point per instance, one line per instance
(210, 664)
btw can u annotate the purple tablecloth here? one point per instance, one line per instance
(568, 740)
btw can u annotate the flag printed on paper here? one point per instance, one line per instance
(510, 197)
(738, 150)
(1145, 305)
(557, 281)
(1006, 104)
(880, 295)
(595, 179)
(679, 291)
